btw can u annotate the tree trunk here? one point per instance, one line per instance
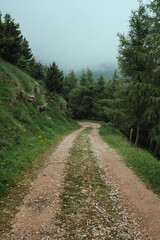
(137, 135)
(131, 134)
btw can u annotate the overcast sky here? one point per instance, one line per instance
(74, 33)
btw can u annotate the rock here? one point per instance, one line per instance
(31, 98)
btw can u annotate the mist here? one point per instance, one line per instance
(76, 34)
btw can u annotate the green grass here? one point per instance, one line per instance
(142, 162)
(24, 131)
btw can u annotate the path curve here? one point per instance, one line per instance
(141, 202)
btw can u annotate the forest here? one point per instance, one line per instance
(128, 101)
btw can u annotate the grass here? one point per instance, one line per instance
(25, 132)
(142, 162)
(26, 135)
(87, 211)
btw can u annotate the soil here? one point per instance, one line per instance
(36, 215)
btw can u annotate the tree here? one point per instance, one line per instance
(23, 64)
(26, 50)
(153, 46)
(10, 40)
(1, 36)
(81, 102)
(37, 70)
(81, 99)
(87, 78)
(70, 82)
(133, 56)
(54, 79)
(100, 87)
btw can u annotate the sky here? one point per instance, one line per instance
(76, 34)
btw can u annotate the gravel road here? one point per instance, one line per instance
(36, 215)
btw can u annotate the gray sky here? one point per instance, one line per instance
(74, 33)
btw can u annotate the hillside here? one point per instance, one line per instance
(30, 121)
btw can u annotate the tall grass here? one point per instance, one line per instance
(142, 162)
(24, 131)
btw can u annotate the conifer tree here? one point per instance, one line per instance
(37, 70)
(10, 40)
(132, 61)
(26, 50)
(100, 87)
(87, 78)
(70, 82)
(54, 79)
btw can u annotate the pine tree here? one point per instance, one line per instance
(87, 78)
(70, 82)
(26, 50)
(153, 45)
(23, 64)
(10, 40)
(133, 56)
(37, 70)
(100, 87)
(54, 79)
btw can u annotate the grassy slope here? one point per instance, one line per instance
(143, 163)
(24, 131)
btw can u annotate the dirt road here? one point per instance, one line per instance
(141, 202)
(35, 218)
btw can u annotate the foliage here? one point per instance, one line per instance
(37, 70)
(10, 39)
(26, 50)
(23, 64)
(139, 63)
(70, 82)
(142, 162)
(15, 49)
(54, 79)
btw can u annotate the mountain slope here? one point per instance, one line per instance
(29, 122)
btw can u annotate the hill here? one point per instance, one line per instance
(30, 121)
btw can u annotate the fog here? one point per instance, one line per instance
(74, 33)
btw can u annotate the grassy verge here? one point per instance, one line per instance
(143, 163)
(34, 159)
(18, 156)
(88, 211)
(24, 144)
(25, 130)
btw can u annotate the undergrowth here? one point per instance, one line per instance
(142, 162)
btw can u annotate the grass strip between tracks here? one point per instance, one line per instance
(89, 207)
